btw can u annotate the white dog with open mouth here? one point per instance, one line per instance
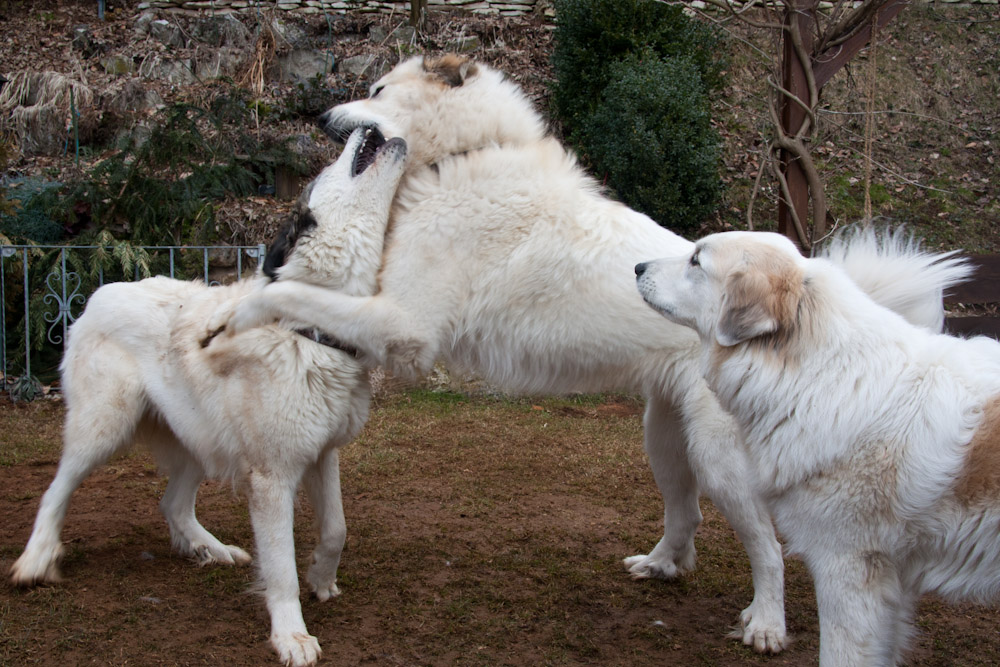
(505, 259)
(876, 442)
(267, 409)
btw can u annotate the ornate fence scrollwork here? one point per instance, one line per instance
(63, 291)
(63, 296)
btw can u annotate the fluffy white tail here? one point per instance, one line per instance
(890, 266)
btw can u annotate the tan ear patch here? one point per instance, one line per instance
(761, 297)
(451, 69)
(980, 478)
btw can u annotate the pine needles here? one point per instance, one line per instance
(165, 189)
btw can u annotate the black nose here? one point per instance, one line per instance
(641, 269)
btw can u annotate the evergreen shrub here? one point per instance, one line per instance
(634, 80)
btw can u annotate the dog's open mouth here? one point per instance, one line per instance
(367, 151)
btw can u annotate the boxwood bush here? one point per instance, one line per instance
(634, 79)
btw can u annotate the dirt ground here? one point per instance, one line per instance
(482, 530)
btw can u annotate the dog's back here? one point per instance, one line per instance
(123, 326)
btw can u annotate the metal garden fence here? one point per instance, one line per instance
(43, 289)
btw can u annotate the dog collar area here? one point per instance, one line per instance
(317, 336)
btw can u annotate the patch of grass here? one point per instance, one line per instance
(847, 197)
(32, 432)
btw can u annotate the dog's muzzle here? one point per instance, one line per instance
(339, 128)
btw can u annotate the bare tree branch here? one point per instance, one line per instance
(793, 214)
(800, 152)
(765, 159)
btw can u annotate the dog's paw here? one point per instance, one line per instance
(655, 566)
(35, 567)
(322, 574)
(250, 312)
(218, 323)
(323, 590)
(762, 627)
(236, 316)
(296, 649)
(239, 556)
(220, 554)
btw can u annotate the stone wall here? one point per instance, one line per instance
(202, 7)
(495, 7)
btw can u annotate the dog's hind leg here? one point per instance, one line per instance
(861, 604)
(725, 474)
(187, 536)
(323, 485)
(666, 445)
(272, 509)
(101, 420)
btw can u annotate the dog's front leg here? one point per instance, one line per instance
(696, 446)
(219, 320)
(726, 474)
(323, 484)
(271, 499)
(377, 326)
(666, 446)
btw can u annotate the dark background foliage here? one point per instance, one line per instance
(634, 80)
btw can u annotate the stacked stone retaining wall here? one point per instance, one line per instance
(495, 7)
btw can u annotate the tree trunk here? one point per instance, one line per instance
(793, 74)
(418, 13)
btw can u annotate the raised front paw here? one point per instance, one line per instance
(236, 316)
(218, 323)
(251, 311)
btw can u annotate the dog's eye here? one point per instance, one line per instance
(694, 259)
(377, 91)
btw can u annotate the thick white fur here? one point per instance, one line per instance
(505, 259)
(876, 442)
(267, 409)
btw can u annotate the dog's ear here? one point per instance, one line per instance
(451, 69)
(744, 315)
(758, 302)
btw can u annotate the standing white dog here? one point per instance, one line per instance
(267, 409)
(505, 259)
(876, 442)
